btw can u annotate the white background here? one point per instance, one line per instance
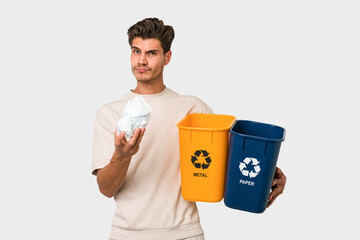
(290, 63)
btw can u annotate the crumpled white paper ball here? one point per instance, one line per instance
(136, 115)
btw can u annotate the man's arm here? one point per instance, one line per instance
(111, 177)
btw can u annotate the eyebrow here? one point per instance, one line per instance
(151, 50)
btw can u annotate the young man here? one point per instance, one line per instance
(143, 173)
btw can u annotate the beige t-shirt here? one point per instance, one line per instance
(149, 205)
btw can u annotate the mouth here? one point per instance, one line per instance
(141, 70)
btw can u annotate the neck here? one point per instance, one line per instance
(143, 88)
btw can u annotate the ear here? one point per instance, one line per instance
(167, 57)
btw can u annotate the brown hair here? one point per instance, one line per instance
(152, 28)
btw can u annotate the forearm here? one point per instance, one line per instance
(111, 178)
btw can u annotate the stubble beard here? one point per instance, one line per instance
(144, 79)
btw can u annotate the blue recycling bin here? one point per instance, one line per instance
(253, 152)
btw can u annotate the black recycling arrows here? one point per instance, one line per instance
(205, 153)
(197, 153)
(193, 159)
(196, 159)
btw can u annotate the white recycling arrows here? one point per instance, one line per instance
(243, 167)
(252, 174)
(255, 161)
(247, 160)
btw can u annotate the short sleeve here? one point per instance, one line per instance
(201, 107)
(103, 139)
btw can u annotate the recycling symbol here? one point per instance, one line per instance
(244, 167)
(201, 159)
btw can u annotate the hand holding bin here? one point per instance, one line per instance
(253, 152)
(203, 155)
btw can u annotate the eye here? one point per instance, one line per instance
(152, 53)
(136, 51)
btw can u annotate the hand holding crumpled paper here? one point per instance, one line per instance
(136, 115)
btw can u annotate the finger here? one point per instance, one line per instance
(124, 139)
(120, 138)
(282, 180)
(271, 201)
(278, 181)
(279, 177)
(275, 193)
(142, 131)
(135, 148)
(272, 198)
(278, 189)
(115, 134)
(134, 137)
(278, 172)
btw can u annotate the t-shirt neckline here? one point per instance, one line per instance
(163, 92)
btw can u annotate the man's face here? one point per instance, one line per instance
(148, 59)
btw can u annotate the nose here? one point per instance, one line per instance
(142, 59)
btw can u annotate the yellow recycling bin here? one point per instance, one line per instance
(203, 155)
